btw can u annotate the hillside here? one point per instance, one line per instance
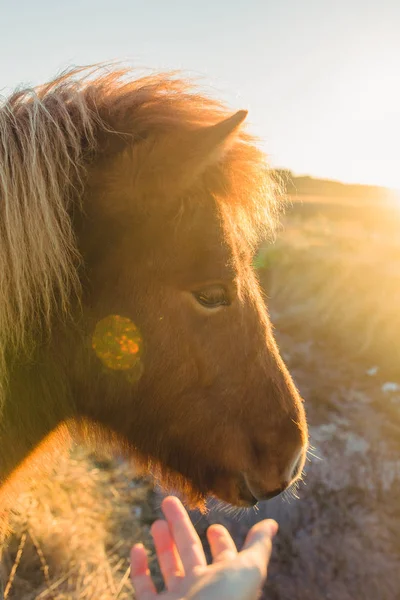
(310, 186)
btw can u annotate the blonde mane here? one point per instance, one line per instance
(48, 135)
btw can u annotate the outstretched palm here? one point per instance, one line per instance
(233, 575)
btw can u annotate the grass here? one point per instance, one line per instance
(72, 533)
(338, 276)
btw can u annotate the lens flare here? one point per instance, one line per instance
(118, 343)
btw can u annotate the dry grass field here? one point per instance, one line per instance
(335, 271)
(332, 282)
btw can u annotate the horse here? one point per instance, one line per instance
(131, 316)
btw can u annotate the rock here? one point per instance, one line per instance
(372, 371)
(390, 386)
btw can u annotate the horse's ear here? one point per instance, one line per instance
(211, 142)
(166, 164)
(173, 162)
(198, 149)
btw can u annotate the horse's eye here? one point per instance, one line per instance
(212, 297)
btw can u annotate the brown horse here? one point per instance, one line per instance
(130, 313)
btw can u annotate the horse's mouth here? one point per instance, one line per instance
(245, 493)
(258, 492)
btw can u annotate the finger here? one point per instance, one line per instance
(140, 574)
(184, 534)
(167, 553)
(258, 544)
(222, 545)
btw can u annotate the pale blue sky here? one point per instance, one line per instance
(320, 78)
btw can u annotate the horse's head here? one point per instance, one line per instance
(171, 220)
(147, 202)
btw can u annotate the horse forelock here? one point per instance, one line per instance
(48, 136)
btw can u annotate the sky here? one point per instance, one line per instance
(320, 78)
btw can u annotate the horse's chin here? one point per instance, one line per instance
(170, 482)
(228, 488)
(231, 490)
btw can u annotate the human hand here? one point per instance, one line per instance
(233, 575)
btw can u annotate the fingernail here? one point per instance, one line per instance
(137, 546)
(273, 527)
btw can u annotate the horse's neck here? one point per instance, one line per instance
(35, 408)
(35, 466)
(33, 429)
(1, 578)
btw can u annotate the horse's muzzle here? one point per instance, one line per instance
(259, 490)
